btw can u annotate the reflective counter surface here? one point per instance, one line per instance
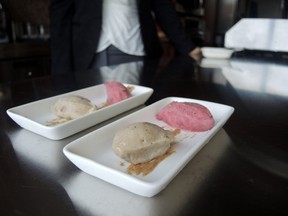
(243, 170)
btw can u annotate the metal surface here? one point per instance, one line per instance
(258, 34)
(241, 171)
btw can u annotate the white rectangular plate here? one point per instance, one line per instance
(93, 154)
(216, 52)
(35, 115)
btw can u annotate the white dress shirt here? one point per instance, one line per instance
(120, 27)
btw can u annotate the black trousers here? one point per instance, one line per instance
(112, 56)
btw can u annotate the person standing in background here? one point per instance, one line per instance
(84, 33)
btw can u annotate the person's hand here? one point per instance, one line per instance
(196, 54)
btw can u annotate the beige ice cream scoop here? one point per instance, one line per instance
(141, 142)
(72, 107)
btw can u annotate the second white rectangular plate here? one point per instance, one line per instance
(217, 52)
(35, 115)
(93, 154)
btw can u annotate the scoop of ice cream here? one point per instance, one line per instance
(116, 92)
(72, 107)
(141, 142)
(187, 116)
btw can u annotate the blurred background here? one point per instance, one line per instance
(24, 29)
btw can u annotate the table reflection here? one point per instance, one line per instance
(27, 189)
(258, 76)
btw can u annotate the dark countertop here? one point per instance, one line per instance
(243, 170)
(10, 51)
